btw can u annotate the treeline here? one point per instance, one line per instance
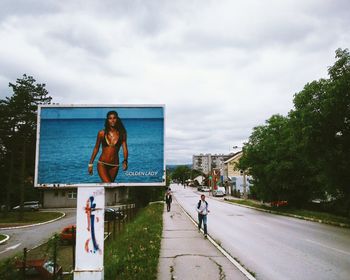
(181, 173)
(306, 155)
(18, 119)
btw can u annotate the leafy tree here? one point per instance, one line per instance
(195, 173)
(18, 133)
(306, 154)
(181, 173)
(321, 120)
(271, 159)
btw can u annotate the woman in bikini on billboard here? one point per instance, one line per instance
(111, 138)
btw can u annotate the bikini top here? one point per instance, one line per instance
(106, 143)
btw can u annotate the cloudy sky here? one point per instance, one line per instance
(221, 67)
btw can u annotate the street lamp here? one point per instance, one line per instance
(236, 147)
(244, 177)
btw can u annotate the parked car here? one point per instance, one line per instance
(113, 214)
(219, 191)
(28, 206)
(205, 189)
(67, 234)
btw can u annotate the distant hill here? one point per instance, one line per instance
(172, 167)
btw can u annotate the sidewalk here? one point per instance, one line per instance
(186, 254)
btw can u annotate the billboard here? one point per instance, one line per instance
(89, 145)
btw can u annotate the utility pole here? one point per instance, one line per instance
(244, 186)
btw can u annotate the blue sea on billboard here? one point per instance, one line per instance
(66, 146)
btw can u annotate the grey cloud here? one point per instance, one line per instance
(220, 67)
(86, 39)
(20, 8)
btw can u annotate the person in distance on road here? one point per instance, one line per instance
(202, 209)
(168, 200)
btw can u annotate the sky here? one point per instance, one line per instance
(220, 67)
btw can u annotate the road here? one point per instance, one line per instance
(32, 236)
(273, 246)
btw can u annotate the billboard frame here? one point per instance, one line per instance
(57, 105)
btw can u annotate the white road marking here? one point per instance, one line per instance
(10, 248)
(320, 244)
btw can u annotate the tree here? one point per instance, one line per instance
(306, 154)
(181, 173)
(321, 119)
(18, 132)
(271, 159)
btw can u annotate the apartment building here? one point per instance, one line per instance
(208, 162)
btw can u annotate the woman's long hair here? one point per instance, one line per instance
(119, 127)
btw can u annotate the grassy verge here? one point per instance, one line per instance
(64, 255)
(307, 214)
(8, 271)
(2, 237)
(44, 251)
(135, 252)
(28, 218)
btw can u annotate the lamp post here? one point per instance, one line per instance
(244, 177)
(244, 185)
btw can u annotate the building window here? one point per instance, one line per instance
(72, 195)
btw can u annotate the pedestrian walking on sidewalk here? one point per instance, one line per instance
(202, 209)
(168, 200)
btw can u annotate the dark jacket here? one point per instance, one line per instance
(168, 198)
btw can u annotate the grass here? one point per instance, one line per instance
(2, 237)
(321, 216)
(64, 259)
(8, 271)
(64, 255)
(135, 252)
(28, 218)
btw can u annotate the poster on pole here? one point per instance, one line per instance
(89, 145)
(90, 230)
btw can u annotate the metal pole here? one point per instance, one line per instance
(118, 227)
(24, 263)
(113, 228)
(54, 257)
(244, 186)
(73, 245)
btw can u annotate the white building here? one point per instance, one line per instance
(234, 177)
(207, 162)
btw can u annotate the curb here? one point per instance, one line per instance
(222, 250)
(156, 202)
(290, 215)
(38, 224)
(7, 238)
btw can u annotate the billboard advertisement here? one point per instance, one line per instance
(100, 145)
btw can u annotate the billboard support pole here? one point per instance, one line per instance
(90, 234)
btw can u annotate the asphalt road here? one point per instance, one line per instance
(273, 246)
(32, 236)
